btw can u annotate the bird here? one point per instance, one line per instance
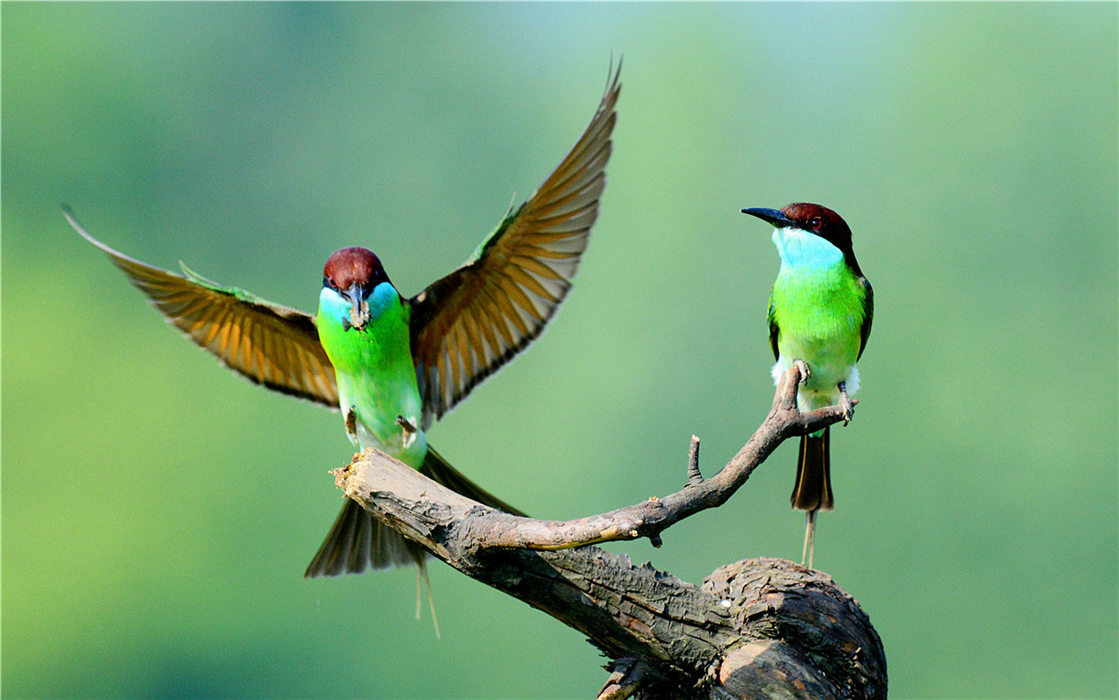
(391, 364)
(820, 313)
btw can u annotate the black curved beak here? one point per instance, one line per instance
(773, 216)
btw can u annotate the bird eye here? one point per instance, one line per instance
(815, 222)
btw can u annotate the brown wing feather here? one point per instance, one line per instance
(471, 322)
(270, 344)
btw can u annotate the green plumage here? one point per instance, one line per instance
(377, 386)
(375, 371)
(820, 313)
(395, 365)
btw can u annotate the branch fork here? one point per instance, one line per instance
(753, 627)
(654, 515)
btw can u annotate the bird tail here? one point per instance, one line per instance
(358, 541)
(437, 469)
(812, 490)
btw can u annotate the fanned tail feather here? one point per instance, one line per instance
(358, 541)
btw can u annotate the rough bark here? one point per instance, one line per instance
(754, 628)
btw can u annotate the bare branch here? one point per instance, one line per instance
(651, 517)
(752, 627)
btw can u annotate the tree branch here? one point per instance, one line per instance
(753, 627)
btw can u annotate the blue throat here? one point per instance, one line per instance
(338, 307)
(803, 250)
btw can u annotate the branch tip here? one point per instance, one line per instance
(694, 475)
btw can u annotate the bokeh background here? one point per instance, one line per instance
(158, 511)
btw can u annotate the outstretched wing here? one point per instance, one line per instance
(469, 323)
(270, 344)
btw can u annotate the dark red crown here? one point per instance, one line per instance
(349, 266)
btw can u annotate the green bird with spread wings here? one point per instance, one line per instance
(392, 364)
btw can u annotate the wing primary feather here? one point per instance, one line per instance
(536, 267)
(272, 345)
(469, 323)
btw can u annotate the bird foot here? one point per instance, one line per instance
(351, 424)
(805, 373)
(846, 404)
(409, 429)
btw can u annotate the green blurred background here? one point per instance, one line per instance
(158, 511)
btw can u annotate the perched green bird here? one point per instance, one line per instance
(393, 365)
(820, 313)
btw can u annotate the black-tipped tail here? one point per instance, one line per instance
(812, 490)
(358, 541)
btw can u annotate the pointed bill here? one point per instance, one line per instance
(471, 322)
(270, 344)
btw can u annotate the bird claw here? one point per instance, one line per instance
(351, 424)
(409, 430)
(805, 373)
(846, 405)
